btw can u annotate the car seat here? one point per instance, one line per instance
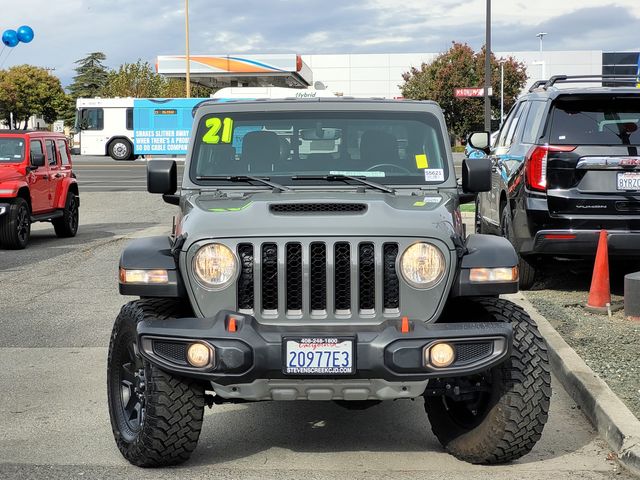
(261, 151)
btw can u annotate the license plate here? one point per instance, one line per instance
(318, 356)
(629, 181)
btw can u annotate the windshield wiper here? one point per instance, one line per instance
(247, 179)
(345, 178)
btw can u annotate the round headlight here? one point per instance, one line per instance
(215, 266)
(422, 265)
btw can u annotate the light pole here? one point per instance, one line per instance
(487, 71)
(188, 59)
(541, 36)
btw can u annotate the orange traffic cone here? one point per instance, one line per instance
(600, 292)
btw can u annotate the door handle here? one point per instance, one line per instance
(45, 177)
(57, 175)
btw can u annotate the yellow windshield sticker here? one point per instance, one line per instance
(214, 125)
(421, 161)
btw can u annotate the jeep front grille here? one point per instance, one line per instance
(319, 279)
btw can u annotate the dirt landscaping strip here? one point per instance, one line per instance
(610, 416)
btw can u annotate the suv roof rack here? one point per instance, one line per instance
(583, 79)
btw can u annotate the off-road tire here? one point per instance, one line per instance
(121, 149)
(67, 225)
(526, 266)
(173, 406)
(15, 225)
(518, 404)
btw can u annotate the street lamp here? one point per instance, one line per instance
(541, 36)
(487, 71)
(187, 57)
(501, 92)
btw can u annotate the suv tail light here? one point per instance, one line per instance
(536, 164)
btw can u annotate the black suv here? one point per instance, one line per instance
(565, 166)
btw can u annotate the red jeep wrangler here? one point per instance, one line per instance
(37, 184)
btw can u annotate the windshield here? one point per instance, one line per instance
(11, 150)
(386, 147)
(596, 120)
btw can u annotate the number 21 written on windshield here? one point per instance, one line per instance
(214, 126)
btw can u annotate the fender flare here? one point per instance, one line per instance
(68, 184)
(14, 186)
(151, 253)
(485, 251)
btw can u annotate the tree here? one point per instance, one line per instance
(91, 76)
(137, 80)
(462, 67)
(140, 80)
(26, 90)
(176, 88)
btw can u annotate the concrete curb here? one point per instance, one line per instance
(611, 418)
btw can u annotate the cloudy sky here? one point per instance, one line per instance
(130, 29)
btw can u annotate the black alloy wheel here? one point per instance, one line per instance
(23, 224)
(67, 225)
(131, 385)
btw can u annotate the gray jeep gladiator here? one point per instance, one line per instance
(319, 253)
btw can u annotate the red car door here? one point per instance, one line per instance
(55, 175)
(39, 181)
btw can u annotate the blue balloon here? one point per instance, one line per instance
(25, 33)
(10, 38)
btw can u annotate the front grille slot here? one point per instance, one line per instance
(269, 277)
(294, 277)
(367, 277)
(391, 286)
(318, 277)
(321, 279)
(317, 208)
(342, 278)
(245, 280)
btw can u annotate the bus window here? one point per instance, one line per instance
(92, 119)
(129, 125)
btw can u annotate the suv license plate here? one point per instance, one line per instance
(629, 181)
(318, 356)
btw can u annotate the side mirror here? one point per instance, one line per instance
(162, 177)
(476, 175)
(480, 141)
(37, 159)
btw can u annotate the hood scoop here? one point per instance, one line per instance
(318, 208)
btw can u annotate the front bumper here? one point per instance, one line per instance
(585, 242)
(254, 352)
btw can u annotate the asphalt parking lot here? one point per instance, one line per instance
(58, 304)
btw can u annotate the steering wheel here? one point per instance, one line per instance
(397, 167)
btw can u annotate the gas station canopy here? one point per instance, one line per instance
(278, 70)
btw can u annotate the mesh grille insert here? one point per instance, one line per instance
(367, 276)
(390, 276)
(294, 276)
(311, 208)
(245, 280)
(269, 276)
(342, 252)
(174, 352)
(471, 352)
(318, 274)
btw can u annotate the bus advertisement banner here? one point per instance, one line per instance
(163, 126)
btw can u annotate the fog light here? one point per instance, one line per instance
(441, 355)
(198, 355)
